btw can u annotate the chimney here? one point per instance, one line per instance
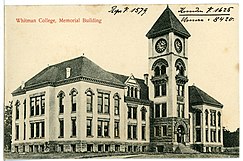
(68, 72)
(22, 84)
(146, 79)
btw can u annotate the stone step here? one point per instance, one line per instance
(182, 149)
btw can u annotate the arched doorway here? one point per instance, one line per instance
(180, 134)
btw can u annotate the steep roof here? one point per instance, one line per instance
(199, 97)
(167, 22)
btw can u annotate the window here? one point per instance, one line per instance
(37, 105)
(182, 110)
(89, 102)
(24, 108)
(136, 93)
(43, 129)
(163, 89)
(100, 147)
(42, 105)
(32, 130)
(89, 127)
(143, 132)
(117, 148)
(129, 112)
(156, 131)
(99, 128)
(156, 90)
(128, 91)
(198, 118)
(213, 118)
(32, 99)
(206, 117)
(116, 129)
(219, 135)
(74, 99)
(24, 131)
(61, 105)
(157, 110)
(116, 105)
(131, 91)
(73, 147)
(163, 69)
(61, 125)
(17, 132)
(107, 147)
(89, 147)
(180, 90)
(106, 128)
(73, 127)
(17, 109)
(156, 71)
(129, 131)
(37, 129)
(134, 113)
(206, 132)
(178, 110)
(134, 131)
(198, 135)
(103, 103)
(164, 128)
(164, 110)
(219, 119)
(143, 113)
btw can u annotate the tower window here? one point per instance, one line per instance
(163, 89)
(157, 110)
(164, 110)
(157, 71)
(157, 90)
(163, 69)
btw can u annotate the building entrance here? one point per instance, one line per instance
(180, 134)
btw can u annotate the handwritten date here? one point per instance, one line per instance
(138, 10)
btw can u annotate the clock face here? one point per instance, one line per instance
(160, 45)
(178, 45)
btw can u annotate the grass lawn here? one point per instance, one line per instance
(113, 155)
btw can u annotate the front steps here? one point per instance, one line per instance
(182, 149)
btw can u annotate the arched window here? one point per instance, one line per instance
(163, 69)
(206, 117)
(180, 67)
(116, 104)
(17, 109)
(143, 113)
(156, 71)
(219, 119)
(73, 94)
(89, 100)
(61, 96)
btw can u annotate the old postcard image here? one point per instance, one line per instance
(121, 81)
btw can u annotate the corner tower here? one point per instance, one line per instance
(168, 69)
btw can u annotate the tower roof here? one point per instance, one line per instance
(167, 22)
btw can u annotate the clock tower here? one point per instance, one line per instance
(168, 87)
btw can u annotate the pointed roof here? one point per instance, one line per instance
(167, 22)
(199, 97)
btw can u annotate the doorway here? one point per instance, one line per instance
(180, 134)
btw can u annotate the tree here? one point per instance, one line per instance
(8, 126)
(231, 139)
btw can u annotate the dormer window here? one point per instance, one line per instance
(68, 72)
(133, 92)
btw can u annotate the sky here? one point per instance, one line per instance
(119, 45)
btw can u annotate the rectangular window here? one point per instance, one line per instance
(32, 130)
(42, 105)
(100, 103)
(182, 110)
(116, 129)
(164, 128)
(61, 106)
(198, 118)
(73, 147)
(178, 110)
(157, 110)
(143, 115)
(156, 131)
(206, 132)
(37, 106)
(164, 110)
(106, 103)
(129, 112)
(106, 128)
(156, 90)
(134, 113)
(134, 132)
(32, 106)
(73, 127)
(198, 135)
(219, 136)
(43, 129)
(214, 136)
(117, 148)
(61, 125)
(117, 106)
(24, 131)
(99, 128)
(37, 134)
(89, 102)
(24, 108)
(129, 131)
(100, 147)
(89, 127)
(213, 118)
(163, 89)
(17, 132)
(143, 132)
(89, 147)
